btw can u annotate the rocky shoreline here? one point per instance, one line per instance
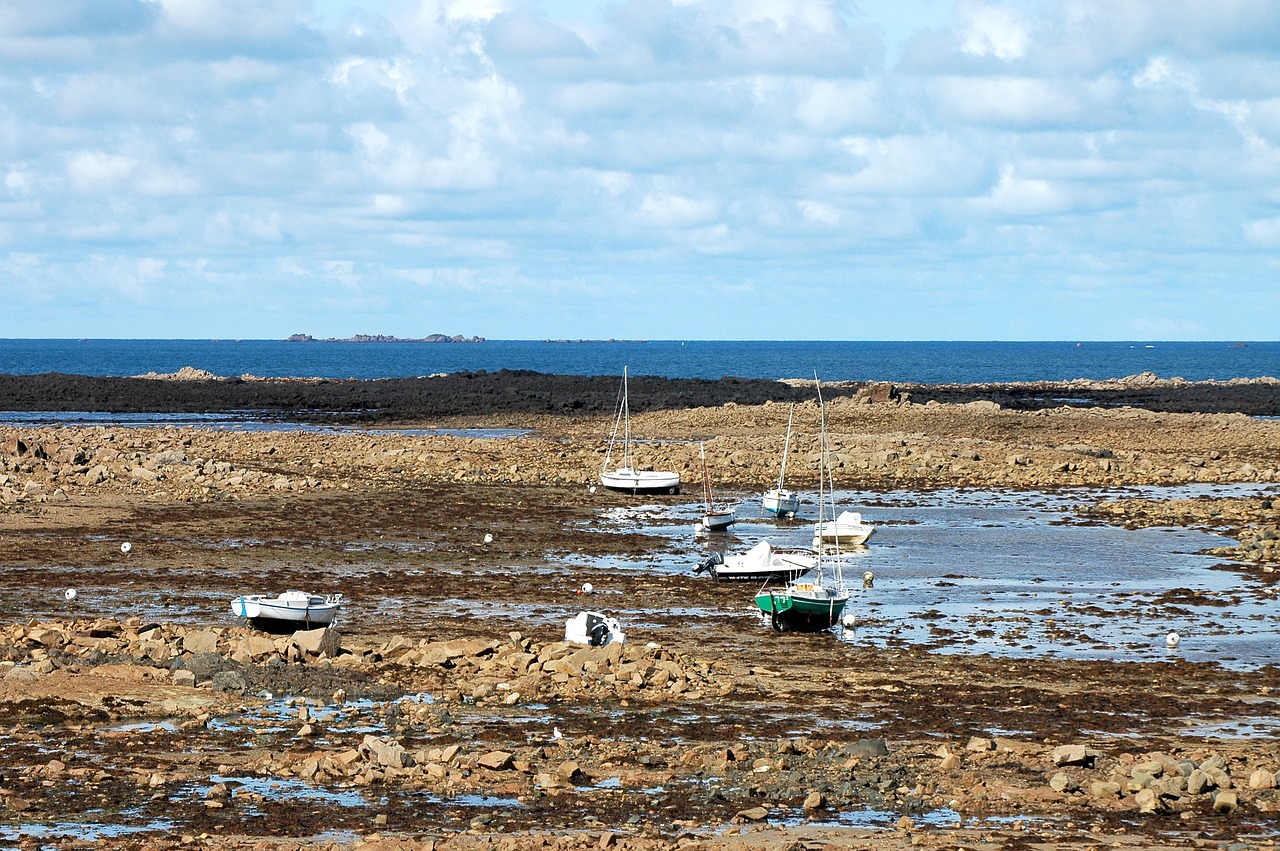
(509, 393)
(446, 711)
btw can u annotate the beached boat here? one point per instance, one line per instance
(594, 629)
(712, 520)
(779, 500)
(761, 563)
(626, 477)
(847, 530)
(291, 610)
(815, 601)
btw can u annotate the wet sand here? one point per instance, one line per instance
(750, 738)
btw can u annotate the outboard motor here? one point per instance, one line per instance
(709, 562)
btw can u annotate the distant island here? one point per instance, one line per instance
(385, 338)
(610, 340)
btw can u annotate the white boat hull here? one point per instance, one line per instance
(758, 564)
(781, 501)
(292, 608)
(847, 530)
(716, 521)
(627, 480)
(593, 628)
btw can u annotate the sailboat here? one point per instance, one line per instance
(627, 478)
(779, 500)
(847, 530)
(712, 520)
(815, 601)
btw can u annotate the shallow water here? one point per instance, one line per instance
(1007, 573)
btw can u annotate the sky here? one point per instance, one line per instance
(641, 169)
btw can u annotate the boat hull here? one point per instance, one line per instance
(717, 521)
(845, 536)
(627, 480)
(847, 530)
(781, 502)
(761, 563)
(287, 612)
(795, 609)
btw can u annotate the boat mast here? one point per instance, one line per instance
(706, 476)
(825, 452)
(617, 421)
(626, 411)
(785, 446)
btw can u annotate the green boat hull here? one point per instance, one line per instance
(798, 611)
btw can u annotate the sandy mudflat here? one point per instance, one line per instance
(453, 714)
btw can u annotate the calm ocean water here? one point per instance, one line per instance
(926, 362)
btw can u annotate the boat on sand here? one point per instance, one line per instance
(287, 612)
(815, 601)
(626, 477)
(780, 501)
(761, 563)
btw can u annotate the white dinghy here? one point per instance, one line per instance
(289, 611)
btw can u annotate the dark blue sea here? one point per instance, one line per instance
(923, 362)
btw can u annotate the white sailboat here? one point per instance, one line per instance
(779, 500)
(815, 601)
(626, 477)
(847, 530)
(712, 520)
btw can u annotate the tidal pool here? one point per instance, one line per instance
(1011, 573)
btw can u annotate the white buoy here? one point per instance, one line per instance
(126, 548)
(591, 489)
(868, 579)
(847, 620)
(697, 526)
(70, 595)
(1172, 639)
(488, 538)
(586, 588)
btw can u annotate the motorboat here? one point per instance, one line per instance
(847, 530)
(761, 563)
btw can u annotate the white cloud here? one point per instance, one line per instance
(98, 171)
(1020, 196)
(990, 30)
(667, 210)
(1263, 232)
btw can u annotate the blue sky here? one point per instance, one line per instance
(654, 169)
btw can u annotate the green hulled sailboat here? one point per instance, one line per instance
(815, 601)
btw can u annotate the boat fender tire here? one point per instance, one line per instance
(599, 635)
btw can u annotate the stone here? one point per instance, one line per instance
(1063, 782)
(754, 814)
(185, 678)
(1074, 755)
(813, 801)
(496, 760)
(386, 752)
(230, 682)
(867, 747)
(1147, 801)
(1262, 779)
(201, 641)
(1198, 783)
(318, 642)
(1225, 802)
